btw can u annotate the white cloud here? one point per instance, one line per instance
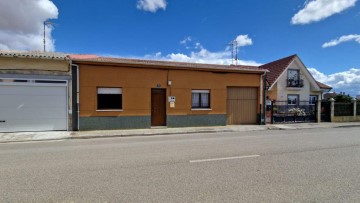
(316, 10)
(202, 55)
(346, 81)
(342, 39)
(243, 40)
(21, 24)
(199, 54)
(186, 40)
(151, 5)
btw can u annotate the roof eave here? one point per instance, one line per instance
(161, 66)
(30, 56)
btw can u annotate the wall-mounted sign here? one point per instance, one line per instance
(172, 99)
(172, 104)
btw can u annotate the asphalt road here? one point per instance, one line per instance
(314, 165)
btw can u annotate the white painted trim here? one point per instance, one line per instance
(200, 91)
(109, 90)
(294, 88)
(110, 110)
(201, 109)
(31, 82)
(224, 158)
(37, 77)
(34, 84)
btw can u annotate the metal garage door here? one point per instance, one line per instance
(242, 105)
(33, 107)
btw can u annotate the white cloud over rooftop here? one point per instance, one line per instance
(346, 81)
(21, 24)
(200, 54)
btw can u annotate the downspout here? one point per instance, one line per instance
(263, 116)
(75, 97)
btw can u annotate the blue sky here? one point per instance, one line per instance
(324, 33)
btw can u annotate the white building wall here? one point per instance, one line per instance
(283, 90)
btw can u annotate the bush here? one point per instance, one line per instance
(297, 111)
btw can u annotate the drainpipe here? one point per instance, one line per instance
(263, 116)
(75, 97)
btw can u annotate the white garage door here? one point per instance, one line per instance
(33, 108)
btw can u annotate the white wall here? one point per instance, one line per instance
(303, 92)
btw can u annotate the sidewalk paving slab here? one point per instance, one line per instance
(59, 135)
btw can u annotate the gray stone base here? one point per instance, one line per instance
(114, 123)
(142, 122)
(196, 120)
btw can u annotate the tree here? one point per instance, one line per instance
(342, 98)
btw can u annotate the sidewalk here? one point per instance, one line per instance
(57, 135)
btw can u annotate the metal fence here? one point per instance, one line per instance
(344, 109)
(325, 111)
(358, 108)
(284, 112)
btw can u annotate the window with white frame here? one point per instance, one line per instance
(200, 99)
(293, 99)
(313, 99)
(109, 98)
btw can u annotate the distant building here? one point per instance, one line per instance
(330, 95)
(357, 96)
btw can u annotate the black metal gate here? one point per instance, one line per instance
(325, 111)
(283, 112)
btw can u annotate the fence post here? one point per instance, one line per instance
(354, 103)
(318, 111)
(332, 109)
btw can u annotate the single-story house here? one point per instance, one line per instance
(34, 91)
(118, 93)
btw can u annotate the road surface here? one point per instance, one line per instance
(313, 165)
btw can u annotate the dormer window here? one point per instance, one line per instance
(294, 78)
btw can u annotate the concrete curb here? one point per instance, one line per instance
(52, 136)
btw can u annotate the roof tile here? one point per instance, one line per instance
(323, 86)
(33, 54)
(99, 59)
(277, 67)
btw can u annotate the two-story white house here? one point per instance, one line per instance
(289, 80)
(291, 85)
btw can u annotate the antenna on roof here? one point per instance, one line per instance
(234, 52)
(45, 24)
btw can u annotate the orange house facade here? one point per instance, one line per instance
(116, 93)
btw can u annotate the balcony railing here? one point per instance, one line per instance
(295, 83)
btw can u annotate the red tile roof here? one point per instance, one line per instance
(323, 86)
(154, 63)
(83, 56)
(277, 67)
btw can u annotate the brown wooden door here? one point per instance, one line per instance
(158, 107)
(242, 103)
